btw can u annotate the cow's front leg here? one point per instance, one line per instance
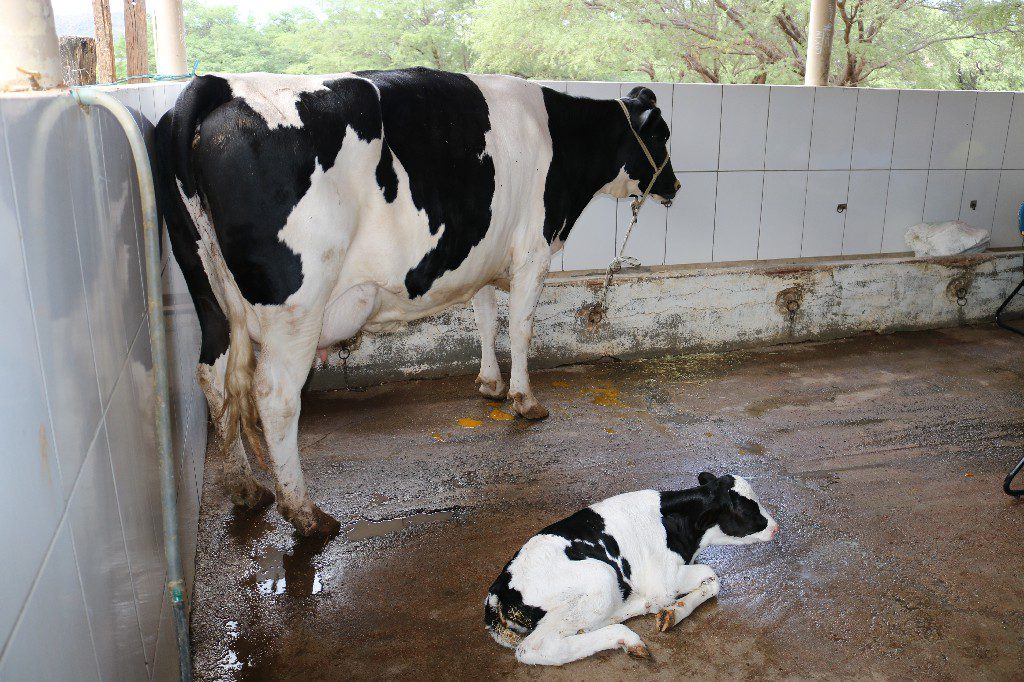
(697, 584)
(485, 309)
(289, 344)
(527, 283)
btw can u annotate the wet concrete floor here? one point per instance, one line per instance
(881, 456)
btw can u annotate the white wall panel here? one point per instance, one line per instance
(823, 224)
(980, 187)
(1005, 230)
(1013, 158)
(953, 122)
(790, 111)
(554, 85)
(865, 213)
(591, 242)
(54, 273)
(832, 129)
(737, 215)
(691, 219)
(988, 134)
(915, 126)
(782, 214)
(593, 89)
(744, 124)
(30, 486)
(696, 126)
(875, 128)
(52, 639)
(904, 207)
(942, 200)
(103, 568)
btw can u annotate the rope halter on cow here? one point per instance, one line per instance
(595, 314)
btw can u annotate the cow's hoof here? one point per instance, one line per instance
(665, 619)
(639, 651)
(317, 524)
(495, 388)
(251, 495)
(528, 409)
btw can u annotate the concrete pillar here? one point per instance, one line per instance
(170, 37)
(820, 30)
(29, 56)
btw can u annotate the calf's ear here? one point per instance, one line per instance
(649, 117)
(704, 478)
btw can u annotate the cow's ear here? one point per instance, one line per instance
(704, 478)
(649, 117)
(645, 95)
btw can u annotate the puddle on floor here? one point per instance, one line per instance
(750, 448)
(287, 572)
(370, 529)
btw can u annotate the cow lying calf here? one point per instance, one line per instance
(304, 209)
(565, 594)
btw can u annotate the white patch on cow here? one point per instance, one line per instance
(621, 186)
(273, 96)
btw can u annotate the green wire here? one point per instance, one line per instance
(151, 76)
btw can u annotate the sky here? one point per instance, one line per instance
(258, 9)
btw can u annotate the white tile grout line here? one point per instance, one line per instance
(888, 182)
(967, 160)
(718, 169)
(849, 173)
(931, 150)
(807, 181)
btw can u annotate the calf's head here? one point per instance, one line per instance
(645, 118)
(733, 515)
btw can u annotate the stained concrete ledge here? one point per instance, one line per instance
(684, 309)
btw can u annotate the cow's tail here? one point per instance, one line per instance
(175, 178)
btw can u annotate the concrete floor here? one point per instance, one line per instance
(881, 456)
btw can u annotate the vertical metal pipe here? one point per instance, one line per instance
(820, 30)
(158, 343)
(170, 37)
(29, 56)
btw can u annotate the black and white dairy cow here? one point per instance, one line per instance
(304, 209)
(564, 595)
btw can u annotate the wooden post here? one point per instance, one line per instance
(105, 70)
(819, 41)
(137, 47)
(78, 58)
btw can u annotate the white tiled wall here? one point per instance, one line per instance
(82, 595)
(764, 168)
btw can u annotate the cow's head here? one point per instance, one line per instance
(733, 515)
(645, 118)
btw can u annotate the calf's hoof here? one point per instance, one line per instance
(250, 495)
(638, 651)
(493, 388)
(665, 619)
(528, 408)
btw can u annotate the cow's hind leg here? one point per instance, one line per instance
(242, 486)
(485, 309)
(527, 283)
(289, 339)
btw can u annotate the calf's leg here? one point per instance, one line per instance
(527, 283)
(485, 309)
(698, 585)
(549, 644)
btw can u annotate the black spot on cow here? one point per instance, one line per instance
(588, 540)
(387, 179)
(508, 615)
(434, 124)
(251, 176)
